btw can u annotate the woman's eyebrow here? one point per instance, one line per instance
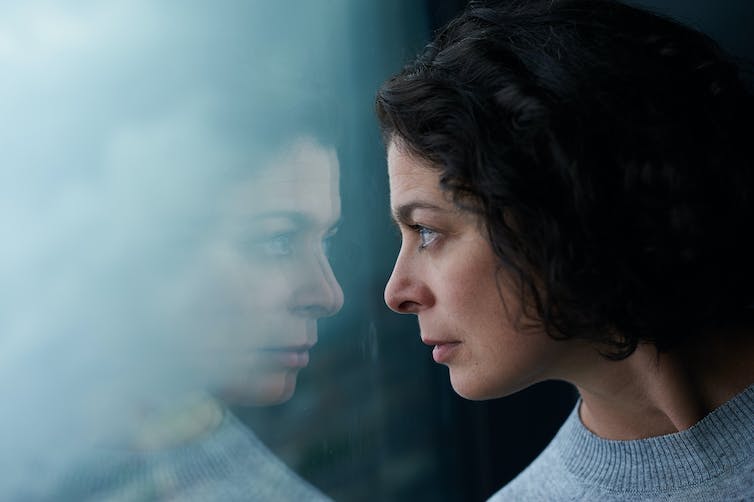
(295, 218)
(299, 220)
(403, 214)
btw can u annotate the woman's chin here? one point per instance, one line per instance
(476, 389)
(263, 390)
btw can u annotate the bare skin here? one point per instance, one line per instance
(651, 395)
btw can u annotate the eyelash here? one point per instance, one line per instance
(422, 231)
(283, 245)
(278, 246)
(327, 241)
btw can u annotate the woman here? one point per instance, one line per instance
(574, 187)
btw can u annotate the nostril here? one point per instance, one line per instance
(409, 300)
(320, 305)
(400, 303)
(405, 291)
(408, 307)
(392, 302)
(319, 295)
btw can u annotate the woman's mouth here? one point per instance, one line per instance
(443, 351)
(290, 357)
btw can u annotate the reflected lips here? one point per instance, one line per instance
(291, 357)
(294, 358)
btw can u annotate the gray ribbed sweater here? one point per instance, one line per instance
(711, 461)
(228, 464)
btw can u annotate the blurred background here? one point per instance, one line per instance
(120, 122)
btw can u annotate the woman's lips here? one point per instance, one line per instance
(442, 352)
(290, 357)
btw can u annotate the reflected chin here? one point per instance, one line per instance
(264, 390)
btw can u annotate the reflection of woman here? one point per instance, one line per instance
(240, 311)
(167, 189)
(573, 185)
(250, 295)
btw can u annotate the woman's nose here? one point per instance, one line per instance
(321, 295)
(405, 292)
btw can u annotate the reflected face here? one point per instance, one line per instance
(449, 277)
(254, 291)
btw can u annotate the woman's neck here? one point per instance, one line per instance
(171, 423)
(650, 394)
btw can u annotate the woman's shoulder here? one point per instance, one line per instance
(714, 460)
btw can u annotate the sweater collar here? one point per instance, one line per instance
(718, 442)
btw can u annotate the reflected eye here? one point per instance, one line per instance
(326, 244)
(277, 246)
(327, 241)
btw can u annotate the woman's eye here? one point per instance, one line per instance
(326, 245)
(278, 246)
(327, 241)
(426, 236)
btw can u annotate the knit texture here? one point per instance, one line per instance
(711, 461)
(228, 464)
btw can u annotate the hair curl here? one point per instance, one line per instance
(608, 151)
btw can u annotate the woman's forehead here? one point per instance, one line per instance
(301, 180)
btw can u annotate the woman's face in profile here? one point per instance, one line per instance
(254, 290)
(448, 276)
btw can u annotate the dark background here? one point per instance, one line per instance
(374, 417)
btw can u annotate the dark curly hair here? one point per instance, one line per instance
(608, 151)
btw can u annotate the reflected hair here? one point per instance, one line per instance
(607, 150)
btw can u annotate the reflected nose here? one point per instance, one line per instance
(322, 295)
(405, 292)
